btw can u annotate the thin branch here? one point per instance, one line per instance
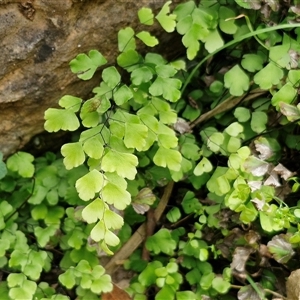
(228, 104)
(138, 237)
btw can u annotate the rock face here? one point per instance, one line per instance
(38, 39)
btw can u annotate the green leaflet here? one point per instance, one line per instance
(242, 114)
(161, 242)
(237, 81)
(124, 164)
(220, 285)
(215, 141)
(89, 184)
(44, 235)
(140, 75)
(253, 4)
(146, 16)
(86, 65)
(93, 147)
(101, 233)
(280, 55)
(112, 220)
(111, 77)
(286, 94)
(258, 121)
(294, 77)
(204, 166)
(268, 76)
(122, 94)
(147, 38)
(234, 129)
(74, 155)
(252, 62)
(103, 91)
(60, 119)
(213, 41)
(89, 114)
(126, 40)
(168, 158)
(92, 109)
(116, 195)
(135, 136)
(167, 140)
(21, 162)
(128, 58)
(70, 102)
(165, 71)
(173, 215)
(227, 26)
(166, 20)
(166, 87)
(191, 37)
(94, 211)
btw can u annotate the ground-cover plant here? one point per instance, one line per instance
(196, 151)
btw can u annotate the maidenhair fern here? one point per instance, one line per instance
(204, 122)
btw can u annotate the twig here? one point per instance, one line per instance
(275, 294)
(227, 105)
(150, 227)
(138, 237)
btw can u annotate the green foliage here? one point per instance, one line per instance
(209, 125)
(87, 278)
(86, 65)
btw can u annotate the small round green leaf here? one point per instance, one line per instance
(73, 155)
(89, 184)
(147, 38)
(220, 285)
(146, 16)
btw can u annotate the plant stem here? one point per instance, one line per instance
(255, 287)
(226, 105)
(235, 41)
(138, 237)
(275, 294)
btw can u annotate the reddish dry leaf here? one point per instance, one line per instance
(116, 294)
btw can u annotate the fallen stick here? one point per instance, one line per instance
(138, 237)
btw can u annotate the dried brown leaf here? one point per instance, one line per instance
(255, 185)
(280, 248)
(292, 285)
(116, 294)
(252, 237)
(248, 293)
(240, 257)
(259, 204)
(256, 166)
(265, 150)
(283, 171)
(273, 180)
(182, 126)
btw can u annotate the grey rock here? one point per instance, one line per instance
(38, 39)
